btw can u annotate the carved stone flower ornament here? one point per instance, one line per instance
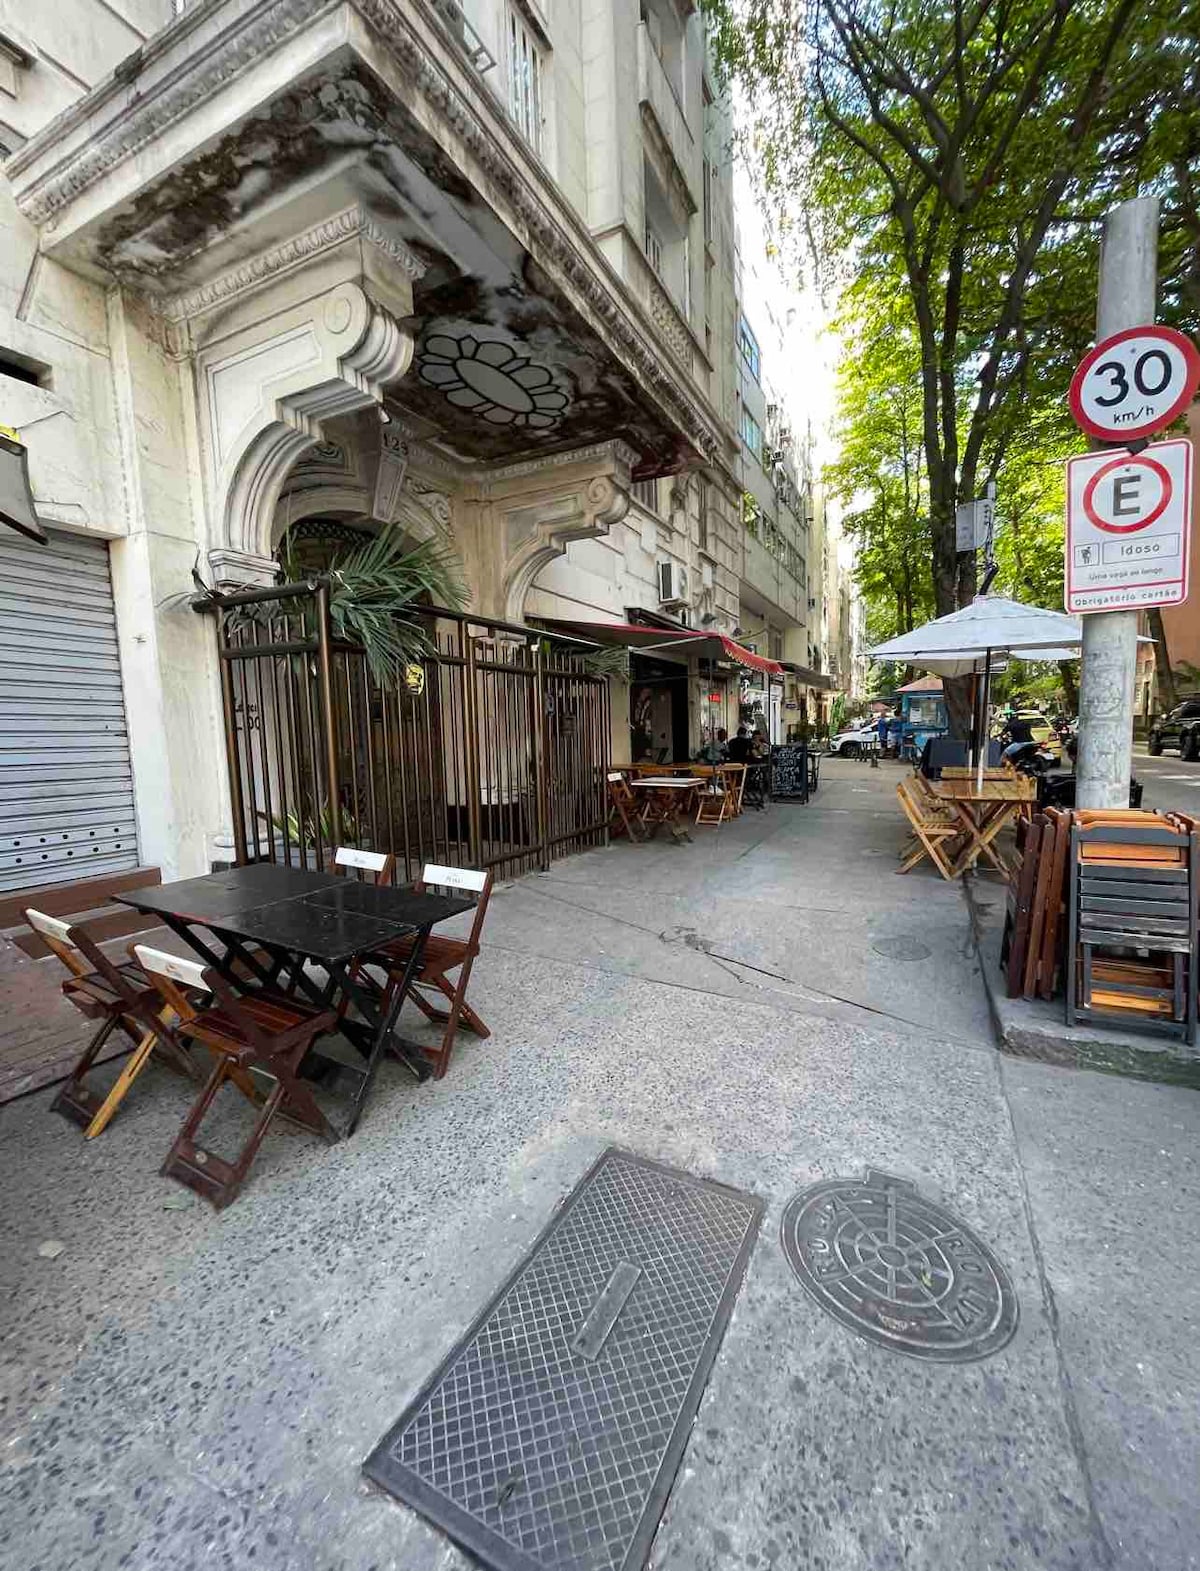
(493, 381)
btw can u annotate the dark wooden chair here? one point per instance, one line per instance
(440, 957)
(262, 1031)
(120, 998)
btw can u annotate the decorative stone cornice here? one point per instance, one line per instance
(126, 123)
(268, 24)
(537, 532)
(622, 456)
(353, 222)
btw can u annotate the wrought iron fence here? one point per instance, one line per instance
(494, 755)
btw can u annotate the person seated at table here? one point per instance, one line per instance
(741, 749)
(714, 751)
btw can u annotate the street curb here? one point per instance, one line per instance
(1034, 1029)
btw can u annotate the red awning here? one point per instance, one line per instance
(667, 640)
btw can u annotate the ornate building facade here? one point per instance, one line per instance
(468, 270)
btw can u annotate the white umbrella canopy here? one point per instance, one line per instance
(992, 623)
(968, 662)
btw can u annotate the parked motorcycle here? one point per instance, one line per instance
(1056, 786)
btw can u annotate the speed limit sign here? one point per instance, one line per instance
(1135, 383)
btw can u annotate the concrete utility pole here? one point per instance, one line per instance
(1128, 280)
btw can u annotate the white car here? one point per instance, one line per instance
(851, 743)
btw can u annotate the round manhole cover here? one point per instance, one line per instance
(898, 1269)
(902, 948)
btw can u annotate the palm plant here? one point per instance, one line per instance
(378, 592)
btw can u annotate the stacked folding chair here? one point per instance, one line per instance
(1035, 925)
(1133, 911)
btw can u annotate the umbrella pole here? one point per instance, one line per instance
(983, 719)
(973, 743)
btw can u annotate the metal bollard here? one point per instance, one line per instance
(875, 757)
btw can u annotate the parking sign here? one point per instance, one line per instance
(1128, 521)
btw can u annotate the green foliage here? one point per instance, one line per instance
(377, 592)
(607, 660)
(947, 166)
(879, 476)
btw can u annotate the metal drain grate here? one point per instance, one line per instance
(898, 1269)
(551, 1433)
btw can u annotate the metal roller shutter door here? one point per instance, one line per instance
(66, 786)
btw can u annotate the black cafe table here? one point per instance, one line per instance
(291, 916)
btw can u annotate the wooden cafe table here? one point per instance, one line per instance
(983, 809)
(670, 799)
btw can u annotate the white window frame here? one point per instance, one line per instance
(645, 492)
(748, 348)
(654, 249)
(526, 70)
(751, 433)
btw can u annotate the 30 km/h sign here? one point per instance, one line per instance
(1135, 383)
(1128, 519)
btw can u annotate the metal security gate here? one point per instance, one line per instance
(66, 786)
(493, 756)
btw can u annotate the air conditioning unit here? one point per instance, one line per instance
(672, 583)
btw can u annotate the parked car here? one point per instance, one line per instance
(851, 743)
(1181, 729)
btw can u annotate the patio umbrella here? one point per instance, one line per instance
(990, 625)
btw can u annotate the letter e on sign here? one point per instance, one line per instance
(1128, 522)
(1135, 383)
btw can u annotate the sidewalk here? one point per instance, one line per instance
(185, 1389)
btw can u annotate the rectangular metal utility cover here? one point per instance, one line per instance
(1128, 522)
(550, 1435)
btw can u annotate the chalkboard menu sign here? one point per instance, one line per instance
(789, 771)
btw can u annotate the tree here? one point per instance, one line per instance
(879, 476)
(963, 153)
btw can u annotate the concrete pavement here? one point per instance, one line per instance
(185, 1389)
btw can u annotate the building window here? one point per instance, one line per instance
(645, 492)
(751, 432)
(707, 189)
(524, 81)
(702, 520)
(654, 248)
(748, 348)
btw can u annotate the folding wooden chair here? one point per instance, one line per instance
(735, 775)
(261, 1031)
(119, 997)
(441, 956)
(354, 863)
(933, 826)
(715, 799)
(623, 809)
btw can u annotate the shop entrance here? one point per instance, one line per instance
(658, 711)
